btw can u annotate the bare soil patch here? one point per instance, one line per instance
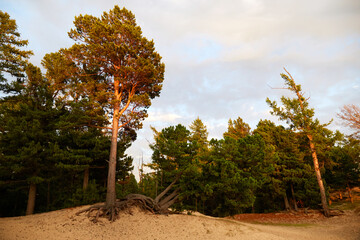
(300, 217)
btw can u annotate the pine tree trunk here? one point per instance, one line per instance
(318, 177)
(293, 196)
(86, 179)
(286, 202)
(111, 192)
(48, 197)
(31, 199)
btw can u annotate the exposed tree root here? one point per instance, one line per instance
(336, 212)
(159, 205)
(333, 212)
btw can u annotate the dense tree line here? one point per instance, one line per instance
(267, 169)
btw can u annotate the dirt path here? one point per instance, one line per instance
(64, 224)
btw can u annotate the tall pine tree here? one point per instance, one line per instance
(119, 71)
(297, 112)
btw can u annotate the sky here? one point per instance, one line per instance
(222, 58)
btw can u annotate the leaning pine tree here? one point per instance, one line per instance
(297, 112)
(118, 71)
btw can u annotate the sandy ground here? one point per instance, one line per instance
(64, 224)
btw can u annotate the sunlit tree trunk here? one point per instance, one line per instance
(111, 192)
(318, 176)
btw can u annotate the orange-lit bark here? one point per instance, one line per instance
(318, 176)
(111, 180)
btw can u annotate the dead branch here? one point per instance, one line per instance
(168, 188)
(350, 114)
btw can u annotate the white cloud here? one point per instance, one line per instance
(162, 117)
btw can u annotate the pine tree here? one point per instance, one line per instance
(12, 58)
(286, 160)
(199, 132)
(118, 71)
(297, 112)
(28, 133)
(234, 171)
(237, 129)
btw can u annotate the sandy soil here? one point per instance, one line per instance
(64, 224)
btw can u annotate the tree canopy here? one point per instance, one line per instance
(12, 57)
(237, 129)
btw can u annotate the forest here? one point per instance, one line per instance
(65, 127)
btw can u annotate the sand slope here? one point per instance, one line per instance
(64, 224)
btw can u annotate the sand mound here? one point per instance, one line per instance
(64, 224)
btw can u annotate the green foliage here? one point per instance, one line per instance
(28, 133)
(127, 187)
(199, 133)
(345, 169)
(28, 130)
(232, 175)
(12, 58)
(92, 194)
(149, 184)
(219, 182)
(173, 152)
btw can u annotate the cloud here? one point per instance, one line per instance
(162, 117)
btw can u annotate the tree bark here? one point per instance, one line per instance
(286, 202)
(86, 178)
(318, 176)
(293, 196)
(111, 192)
(31, 200)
